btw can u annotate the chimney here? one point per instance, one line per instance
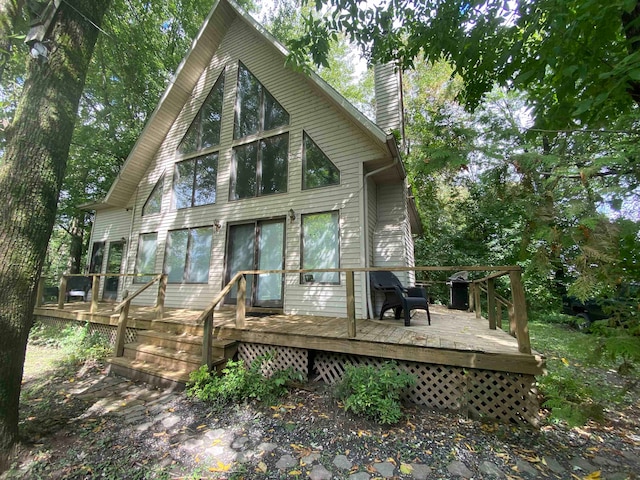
(388, 95)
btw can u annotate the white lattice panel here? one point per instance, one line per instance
(283, 357)
(109, 331)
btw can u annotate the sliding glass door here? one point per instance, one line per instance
(257, 246)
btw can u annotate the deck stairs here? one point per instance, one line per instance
(165, 354)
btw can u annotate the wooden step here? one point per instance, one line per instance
(162, 356)
(177, 327)
(182, 343)
(154, 374)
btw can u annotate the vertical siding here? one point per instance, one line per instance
(343, 142)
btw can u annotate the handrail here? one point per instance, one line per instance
(123, 307)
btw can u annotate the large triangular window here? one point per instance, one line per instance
(204, 131)
(256, 109)
(317, 169)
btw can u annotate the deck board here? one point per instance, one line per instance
(454, 337)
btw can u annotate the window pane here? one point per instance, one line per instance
(245, 158)
(199, 255)
(320, 245)
(189, 142)
(146, 258)
(274, 115)
(154, 202)
(318, 171)
(176, 258)
(274, 153)
(212, 115)
(183, 183)
(206, 176)
(247, 115)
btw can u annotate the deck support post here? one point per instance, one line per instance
(40, 292)
(240, 301)
(471, 298)
(520, 312)
(476, 300)
(351, 304)
(62, 292)
(162, 293)
(95, 287)
(122, 327)
(491, 302)
(499, 314)
(206, 339)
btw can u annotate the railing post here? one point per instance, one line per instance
(122, 327)
(471, 297)
(520, 312)
(62, 292)
(40, 292)
(491, 303)
(476, 300)
(162, 293)
(351, 304)
(206, 340)
(95, 287)
(240, 301)
(499, 315)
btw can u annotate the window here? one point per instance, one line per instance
(260, 168)
(154, 201)
(146, 257)
(194, 181)
(204, 131)
(320, 247)
(317, 169)
(256, 109)
(188, 255)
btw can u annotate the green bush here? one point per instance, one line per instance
(374, 392)
(238, 383)
(76, 342)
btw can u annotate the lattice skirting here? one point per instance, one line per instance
(507, 397)
(283, 357)
(108, 331)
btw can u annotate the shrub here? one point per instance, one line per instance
(238, 383)
(374, 392)
(76, 342)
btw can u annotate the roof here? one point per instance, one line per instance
(178, 92)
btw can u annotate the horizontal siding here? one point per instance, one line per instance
(343, 142)
(387, 94)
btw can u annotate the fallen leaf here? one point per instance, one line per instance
(593, 476)
(262, 467)
(406, 469)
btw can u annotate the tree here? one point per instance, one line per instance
(31, 176)
(579, 60)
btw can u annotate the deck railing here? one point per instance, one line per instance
(517, 306)
(123, 308)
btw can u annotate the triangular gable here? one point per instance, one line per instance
(178, 92)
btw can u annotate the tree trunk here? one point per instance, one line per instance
(76, 233)
(31, 176)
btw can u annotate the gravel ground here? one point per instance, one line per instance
(85, 424)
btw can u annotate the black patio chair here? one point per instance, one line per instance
(398, 297)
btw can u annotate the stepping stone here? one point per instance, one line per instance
(459, 469)
(491, 470)
(386, 469)
(582, 464)
(309, 459)
(342, 462)
(420, 471)
(286, 462)
(360, 476)
(554, 465)
(319, 473)
(267, 447)
(170, 421)
(526, 468)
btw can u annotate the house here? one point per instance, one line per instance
(247, 164)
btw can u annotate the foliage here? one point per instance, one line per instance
(77, 343)
(374, 392)
(580, 382)
(578, 59)
(238, 383)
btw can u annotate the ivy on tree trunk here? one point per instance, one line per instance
(31, 175)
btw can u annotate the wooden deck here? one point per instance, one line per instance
(454, 337)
